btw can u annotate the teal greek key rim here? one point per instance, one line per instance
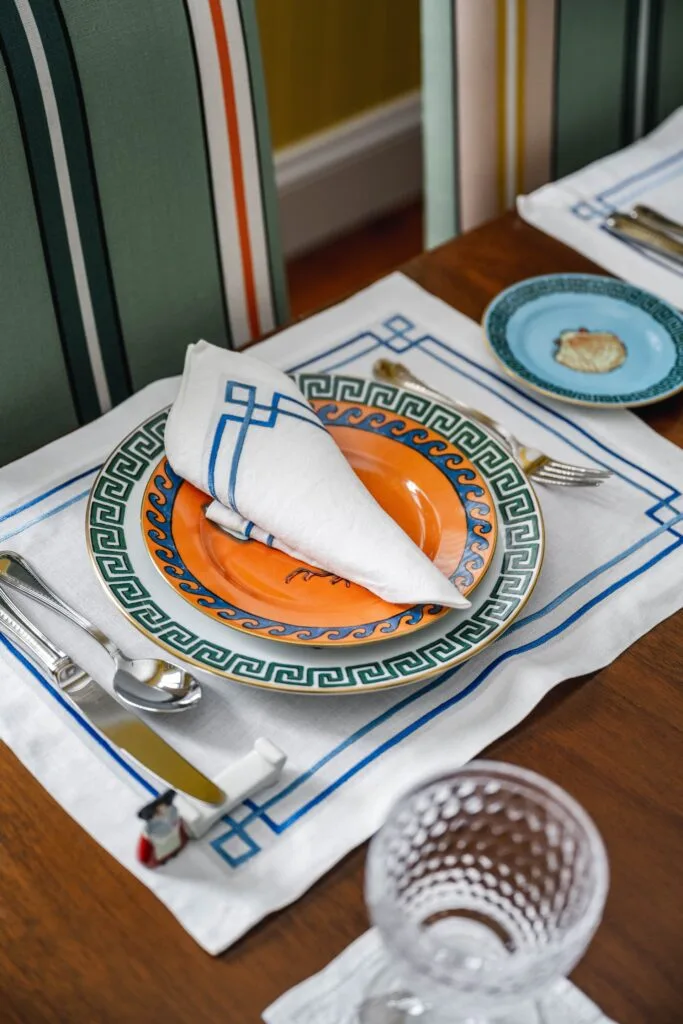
(521, 538)
(499, 312)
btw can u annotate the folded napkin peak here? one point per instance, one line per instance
(242, 431)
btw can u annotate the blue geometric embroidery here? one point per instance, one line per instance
(585, 211)
(621, 194)
(397, 339)
(242, 405)
(240, 400)
(664, 507)
(236, 846)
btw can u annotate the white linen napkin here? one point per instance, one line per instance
(332, 995)
(574, 209)
(243, 432)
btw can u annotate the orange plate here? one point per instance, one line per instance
(437, 496)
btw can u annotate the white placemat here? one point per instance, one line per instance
(332, 995)
(613, 568)
(574, 209)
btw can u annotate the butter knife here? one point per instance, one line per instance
(120, 726)
(631, 230)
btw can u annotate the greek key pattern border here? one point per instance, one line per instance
(518, 296)
(520, 535)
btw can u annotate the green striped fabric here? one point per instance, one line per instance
(634, 80)
(137, 203)
(518, 92)
(30, 334)
(668, 62)
(594, 84)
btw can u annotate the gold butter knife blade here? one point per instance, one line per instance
(114, 721)
(133, 736)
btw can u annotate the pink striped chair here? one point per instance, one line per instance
(520, 92)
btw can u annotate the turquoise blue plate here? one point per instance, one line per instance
(588, 339)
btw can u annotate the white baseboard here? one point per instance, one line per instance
(350, 174)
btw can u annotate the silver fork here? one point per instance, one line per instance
(537, 466)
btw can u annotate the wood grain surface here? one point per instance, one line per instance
(82, 941)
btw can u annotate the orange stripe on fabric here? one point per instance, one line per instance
(236, 163)
(521, 94)
(501, 66)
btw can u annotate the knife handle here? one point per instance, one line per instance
(15, 626)
(17, 574)
(657, 220)
(631, 230)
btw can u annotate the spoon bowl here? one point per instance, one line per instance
(150, 684)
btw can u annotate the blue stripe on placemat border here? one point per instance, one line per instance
(599, 206)
(259, 810)
(236, 845)
(71, 710)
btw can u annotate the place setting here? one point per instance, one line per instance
(370, 527)
(624, 212)
(341, 511)
(331, 577)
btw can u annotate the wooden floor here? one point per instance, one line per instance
(324, 276)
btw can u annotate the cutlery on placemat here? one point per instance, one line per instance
(538, 467)
(643, 235)
(120, 726)
(148, 684)
(657, 220)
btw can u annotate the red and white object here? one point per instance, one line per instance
(173, 818)
(164, 833)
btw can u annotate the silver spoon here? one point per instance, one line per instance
(147, 684)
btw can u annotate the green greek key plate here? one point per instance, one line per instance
(123, 564)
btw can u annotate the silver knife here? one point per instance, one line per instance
(119, 725)
(655, 219)
(628, 228)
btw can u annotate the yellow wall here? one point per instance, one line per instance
(326, 60)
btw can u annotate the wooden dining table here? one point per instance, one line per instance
(81, 940)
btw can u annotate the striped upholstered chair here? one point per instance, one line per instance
(137, 205)
(520, 92)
